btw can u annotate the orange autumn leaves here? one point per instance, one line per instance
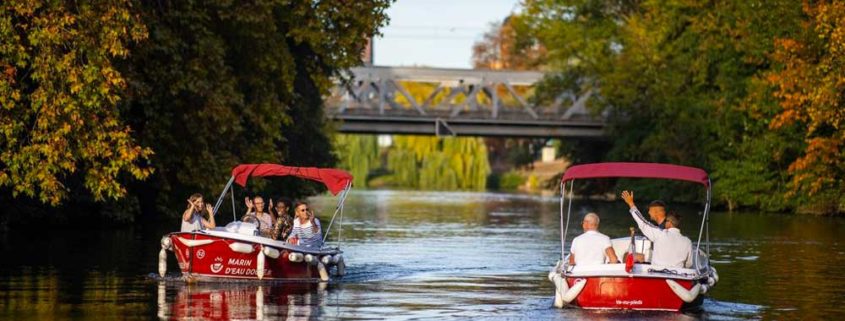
(59, 92)
(811, 92)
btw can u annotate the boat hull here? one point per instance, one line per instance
(632, 293)
(207, 257)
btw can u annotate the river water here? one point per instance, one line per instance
(424, 255)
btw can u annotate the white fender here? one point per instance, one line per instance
(704, 289)
(162, 262)
(555, 270)
(192, 243)
(310, 259)
(259, 267)
(715, 274)
(271, 252)
(560, 287)
(711, 281)
(341, 265)
(295, 257)
(324, 275)
(327, 260)
(682, 293)
(241, 247)
(166, 243)
(563, 293)
(574, 291)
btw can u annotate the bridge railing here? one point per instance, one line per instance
(448, 94)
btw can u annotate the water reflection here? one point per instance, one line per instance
(241, 301)
(423, 255)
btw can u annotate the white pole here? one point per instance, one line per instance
(562, 229)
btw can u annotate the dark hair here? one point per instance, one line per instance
(283, 200)
(674, 218)
(657, 203)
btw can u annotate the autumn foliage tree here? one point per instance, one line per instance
(810, 88)
(749, 91)
(157, 100)
(59, 91)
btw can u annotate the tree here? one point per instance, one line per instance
(508, 45)
(60, 129)
(359, 154)
(434, 163)
(681, 82)
(221, 83)
(809, 89)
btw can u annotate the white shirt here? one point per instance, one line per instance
(194, 224)
(589, 248)
(670, 247)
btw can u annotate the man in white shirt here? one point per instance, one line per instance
(670, 247)
(591, 247)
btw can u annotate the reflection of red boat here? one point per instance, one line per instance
(242, 301)
(236, 251)
(646, 286)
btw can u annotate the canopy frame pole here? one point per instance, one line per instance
(338, 209)
(342, 204)
(234, 216)
(568, 218)
(562, 230)
(704, 221)
(220, 199)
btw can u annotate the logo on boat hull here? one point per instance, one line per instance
(200, 254)
(217, 266)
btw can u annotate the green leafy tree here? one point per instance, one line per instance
(359, 154)
(433, 163)
(683, 82)
(221, 83)
(60, 129)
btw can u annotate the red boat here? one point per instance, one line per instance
(236, 251)
(643, 286)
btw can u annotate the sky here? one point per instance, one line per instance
(437, 33)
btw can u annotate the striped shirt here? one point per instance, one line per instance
(306, 235)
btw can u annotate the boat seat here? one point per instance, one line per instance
(641, 245)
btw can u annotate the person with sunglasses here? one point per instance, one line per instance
(255, 214)
(306, 227)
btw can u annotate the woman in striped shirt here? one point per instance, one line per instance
(306, 227)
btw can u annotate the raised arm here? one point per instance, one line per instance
(209, 224)
(649, 230)
(249, 206)
(186, 215)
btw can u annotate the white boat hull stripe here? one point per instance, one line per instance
(192, 243)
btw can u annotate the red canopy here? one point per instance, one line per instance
(336, 180)
(637, 170)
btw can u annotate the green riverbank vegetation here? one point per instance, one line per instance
(750, 91)
(127, 107)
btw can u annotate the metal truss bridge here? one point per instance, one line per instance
(434, 101)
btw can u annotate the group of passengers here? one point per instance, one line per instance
(670, 248)
(302, 228)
